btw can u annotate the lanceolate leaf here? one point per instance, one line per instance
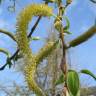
(67, 32)
(67, 23)
(88, 72)
(60, 80)
(35, 38)
(73, 83)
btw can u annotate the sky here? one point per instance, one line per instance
(81, 14)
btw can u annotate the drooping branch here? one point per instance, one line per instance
(84, 37)
(8, 34)
(4, 51)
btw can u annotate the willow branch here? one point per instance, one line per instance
(4, 51)
(8, 33)
(34, 27)
(8, 54)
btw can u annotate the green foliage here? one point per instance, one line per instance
(67, 23)
(35, 38)
(58, 24)
(60, 80)
(88, 72)
(73, 82)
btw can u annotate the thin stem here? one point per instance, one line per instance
(8, 33)
(33, 28)
(63, 64)
(5, 52)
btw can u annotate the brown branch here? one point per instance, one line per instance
(34, 27)
(63, 64)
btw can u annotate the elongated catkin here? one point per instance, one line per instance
(21, 37)
(82, 38)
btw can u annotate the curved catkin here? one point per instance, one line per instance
(29, 71)
(23, 20)
(21, 36)
(46, 50)
(84, 37)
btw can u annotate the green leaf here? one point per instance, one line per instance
(67, 23)
(88, 72)
(60, 80)
(35, 38)
(67, 32)
(73, 83)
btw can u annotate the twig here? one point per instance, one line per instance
(8, 33)
(63, 64)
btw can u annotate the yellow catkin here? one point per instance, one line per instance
(46, 50)
(21, 36)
